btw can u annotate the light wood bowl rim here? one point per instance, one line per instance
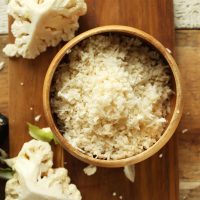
(172, 125)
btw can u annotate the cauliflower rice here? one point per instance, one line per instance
(112, 96)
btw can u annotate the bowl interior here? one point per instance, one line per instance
(175, 101)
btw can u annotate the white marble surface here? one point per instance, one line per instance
(186, 14)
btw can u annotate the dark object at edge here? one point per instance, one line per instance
(3, 129)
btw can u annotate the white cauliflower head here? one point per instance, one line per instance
(39, 24)
(36, 179)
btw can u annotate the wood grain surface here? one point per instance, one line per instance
(188, 51)
(3, 78)
(188, 58)
(156, 178)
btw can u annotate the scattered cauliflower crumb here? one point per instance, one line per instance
(35, 178)
(169, 51)
(41, 24)
(114, 194)
(112, 97)
(160, 155)
(90, 170)
(120, 197)
(22, 84)
(129, 172)
(2, 64)
(37, 118)
(187, 113)
(68, 51)
(185, 130)
(31, 108)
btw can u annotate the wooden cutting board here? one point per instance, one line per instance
(156, 178)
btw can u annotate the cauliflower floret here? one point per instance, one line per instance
(12, 188)
(40, 24)
(36, 152)
(36, 179)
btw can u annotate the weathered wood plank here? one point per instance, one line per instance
(188, 58)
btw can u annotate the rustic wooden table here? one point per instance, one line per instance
(188, 59)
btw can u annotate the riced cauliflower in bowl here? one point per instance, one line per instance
(111, 97)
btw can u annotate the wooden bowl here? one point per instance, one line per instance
(176, 102)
